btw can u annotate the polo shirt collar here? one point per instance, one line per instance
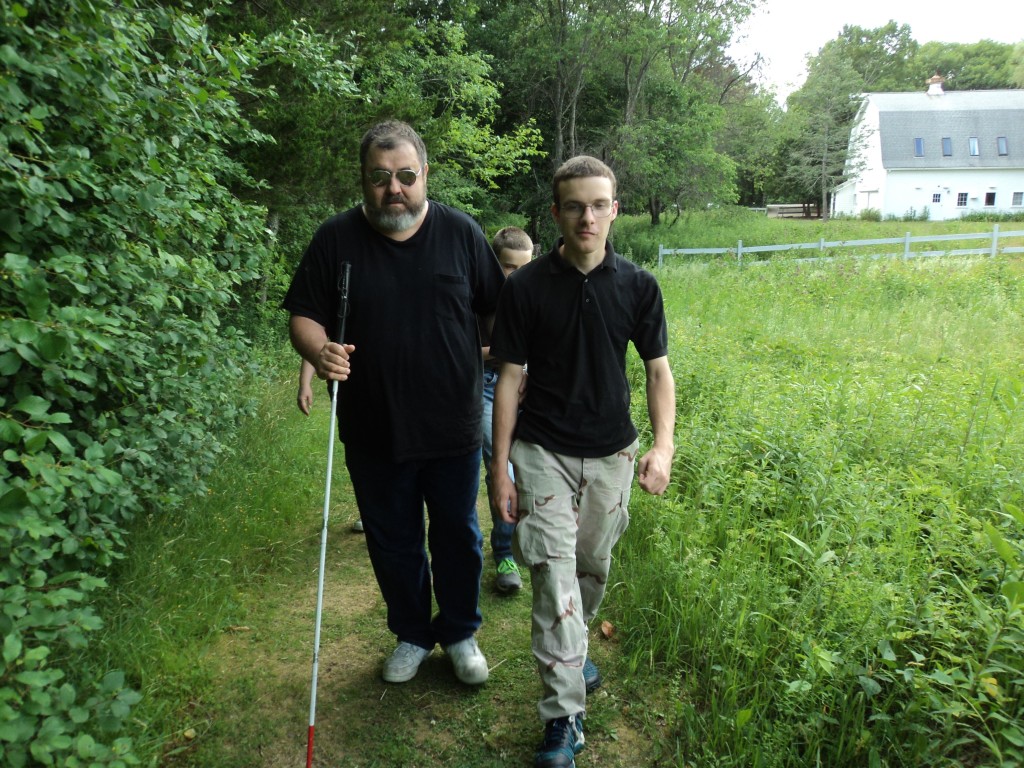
(559, 264)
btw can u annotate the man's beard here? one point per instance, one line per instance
(386, 220)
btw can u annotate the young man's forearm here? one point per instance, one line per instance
(655, 467)
(661, 404)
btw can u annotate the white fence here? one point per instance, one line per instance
(907, 241)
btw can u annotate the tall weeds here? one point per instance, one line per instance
(835, 577)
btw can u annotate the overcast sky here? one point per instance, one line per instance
(786, 31)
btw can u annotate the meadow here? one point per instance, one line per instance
(835, 577)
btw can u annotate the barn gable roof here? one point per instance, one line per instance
(956, 115)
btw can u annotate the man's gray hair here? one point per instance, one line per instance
(388, 135)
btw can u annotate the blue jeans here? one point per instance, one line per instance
(501, 532)
(391, 499)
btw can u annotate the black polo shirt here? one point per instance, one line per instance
(417, 372)
(573, 330)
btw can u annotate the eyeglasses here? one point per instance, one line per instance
(573, 210)
(406, 177)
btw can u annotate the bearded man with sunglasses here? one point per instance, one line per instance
(410, 375)
(572, 444)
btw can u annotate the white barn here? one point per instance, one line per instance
(944, 153)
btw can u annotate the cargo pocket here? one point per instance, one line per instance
(546, 528)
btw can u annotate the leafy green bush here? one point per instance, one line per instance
(912, 214)
(123, 240)
(983, 216)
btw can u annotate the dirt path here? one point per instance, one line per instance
(262, 670)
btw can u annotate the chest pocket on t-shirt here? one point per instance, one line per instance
(451, 297)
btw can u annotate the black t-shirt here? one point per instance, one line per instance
(573, 330)
(414, 390)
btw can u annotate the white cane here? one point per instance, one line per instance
(346, 269)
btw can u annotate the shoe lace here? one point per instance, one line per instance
(407, 651)
(508, 565)
(557, 734)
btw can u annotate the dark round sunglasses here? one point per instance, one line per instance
(382, 178)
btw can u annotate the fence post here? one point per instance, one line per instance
(739, 253)
(821, 244)
(661, 254)
(906, 246)
(995, 240)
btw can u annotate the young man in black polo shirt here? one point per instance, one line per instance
(571, 315)
(409, 401)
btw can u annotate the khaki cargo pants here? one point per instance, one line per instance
(572, 511)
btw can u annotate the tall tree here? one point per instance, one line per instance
(750, 124)
(689, 36)
(669, 163)
(1017, 66)
(981, 66)
(666, 49)
(883, 57)
(568, 39)
(620, 81)
(819, 120)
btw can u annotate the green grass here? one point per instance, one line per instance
(189, 575)
(724, 227)
(835, 577)
(212, 618)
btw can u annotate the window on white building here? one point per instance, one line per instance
(1001, 146)
(918, 147)
(947, 147)
(990, 198)
(936, 197)
(961, 199)
(1018, 198)
(972, 146)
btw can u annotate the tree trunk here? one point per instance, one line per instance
(654, 206)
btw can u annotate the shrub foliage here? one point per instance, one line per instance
(123, 239)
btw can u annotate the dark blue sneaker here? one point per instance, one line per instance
(591, 676)
(563, 738)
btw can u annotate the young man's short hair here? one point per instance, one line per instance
(512, 238)
(388, 135)
(580, 167)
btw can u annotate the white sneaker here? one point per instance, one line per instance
(470, 665)
(404, 663)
